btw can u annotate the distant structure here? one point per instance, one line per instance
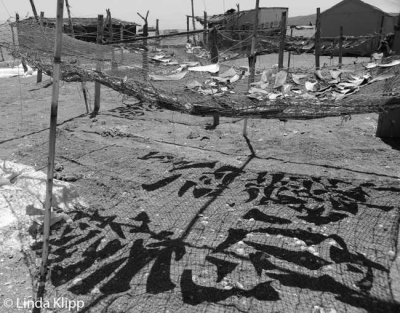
(269, 18)
(357, 18)
(85, 28)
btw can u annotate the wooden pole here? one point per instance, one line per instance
(194, 24)
(252, 57)
(318, 39)
(282, 40)
(158, 31)
(52, 147)
(23, 62)
(71, 25)
(145, 61)
(290, 52)
(97, 86)
(205, 29)
(187, 27)
(1, 53)
(213, 42)
(396, 44)
(114, 64)
(39, 76)
(34, 10)
(341, 47)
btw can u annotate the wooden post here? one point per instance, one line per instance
(145, 60)
(213, 42)
(341, 47)
(318, 39)
(282, 40)
(194, 24)
(2, 56)
(290, 52)
(39, 76)
(52, 149)
(97, 86)
(205, 30)
(252, 56)
(114, 64)
(71, 25)
(34, 10)
(158, 31)
(187, 27)
(381, 27)
(396, 44)
(121, 32)
(23, 62)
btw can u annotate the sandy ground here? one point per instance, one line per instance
(135, 161)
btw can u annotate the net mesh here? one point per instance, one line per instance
(165, 74)
(206, 236)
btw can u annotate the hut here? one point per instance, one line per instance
(357, 18)
(269, 18)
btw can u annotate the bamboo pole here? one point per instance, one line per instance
(52, 148)
(252, 57)
(97, 85)
(318, 39)
(341, 47)
(282, 40)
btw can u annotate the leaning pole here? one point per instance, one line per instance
(52, 146)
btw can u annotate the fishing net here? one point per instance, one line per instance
(182, 78)
(205, 236)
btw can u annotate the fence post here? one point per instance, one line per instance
(282, 40)
(145, 59)
(97, 86)
(39, 76)
(341, 47)
(213, 42)
(318, 39)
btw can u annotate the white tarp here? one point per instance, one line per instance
(212, 68)
(23, 193)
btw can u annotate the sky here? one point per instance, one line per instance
(171, 13)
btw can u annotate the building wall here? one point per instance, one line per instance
(356, 18)
(268, 18)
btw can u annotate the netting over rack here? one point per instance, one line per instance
(182, 78)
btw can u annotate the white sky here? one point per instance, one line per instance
(171, 12)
